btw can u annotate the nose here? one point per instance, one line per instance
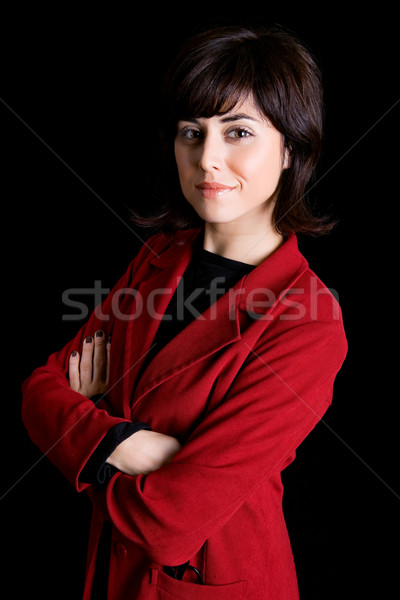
(211, 153)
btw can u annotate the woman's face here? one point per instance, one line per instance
(229, 165)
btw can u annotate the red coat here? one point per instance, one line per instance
(240, 393)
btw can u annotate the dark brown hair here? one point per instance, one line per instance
(216, 69)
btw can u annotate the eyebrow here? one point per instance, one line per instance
(226, 118)
(237, 117)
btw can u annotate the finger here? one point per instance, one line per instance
(86, 365)
(108, 353)
(73, 371)
(99, 358)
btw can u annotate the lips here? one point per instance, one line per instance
(213, 189)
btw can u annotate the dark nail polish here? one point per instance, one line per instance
(89, 339)
(99, 334)
(73, 353)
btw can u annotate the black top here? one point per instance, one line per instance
(205, 280)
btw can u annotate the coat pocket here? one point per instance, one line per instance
(169, 588)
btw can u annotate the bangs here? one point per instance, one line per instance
(214, 88)
(214, 78)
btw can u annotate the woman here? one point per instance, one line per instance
(225, 345)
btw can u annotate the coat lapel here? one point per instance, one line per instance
(152, 298)
(198, 340)
(202, 337)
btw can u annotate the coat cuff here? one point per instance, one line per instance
(97, 470)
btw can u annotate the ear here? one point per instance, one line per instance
(286, 157)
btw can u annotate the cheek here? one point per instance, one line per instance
(178, 159)
(260, 168)
(184, 153)
(183, 164)
(178, 153)
(186, 173)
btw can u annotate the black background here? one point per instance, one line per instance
(78, 129)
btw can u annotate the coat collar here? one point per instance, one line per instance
(256, 294)
(180, 246)
(272, 277)
(264, 286)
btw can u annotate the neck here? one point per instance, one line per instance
(251, 248)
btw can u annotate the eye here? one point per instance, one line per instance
(190, 133)
(239, 132)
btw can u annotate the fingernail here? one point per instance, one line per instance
(99, 334)
(109, 339)
(74, 353)
(89, 339)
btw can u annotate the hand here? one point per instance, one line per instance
(89, 373)
(144, 452)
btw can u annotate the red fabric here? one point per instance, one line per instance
(240, 394)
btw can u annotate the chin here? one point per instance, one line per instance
(215, 215)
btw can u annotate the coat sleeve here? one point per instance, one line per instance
(65, 425)
(282, 391)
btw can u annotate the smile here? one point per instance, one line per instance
(213, 190)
